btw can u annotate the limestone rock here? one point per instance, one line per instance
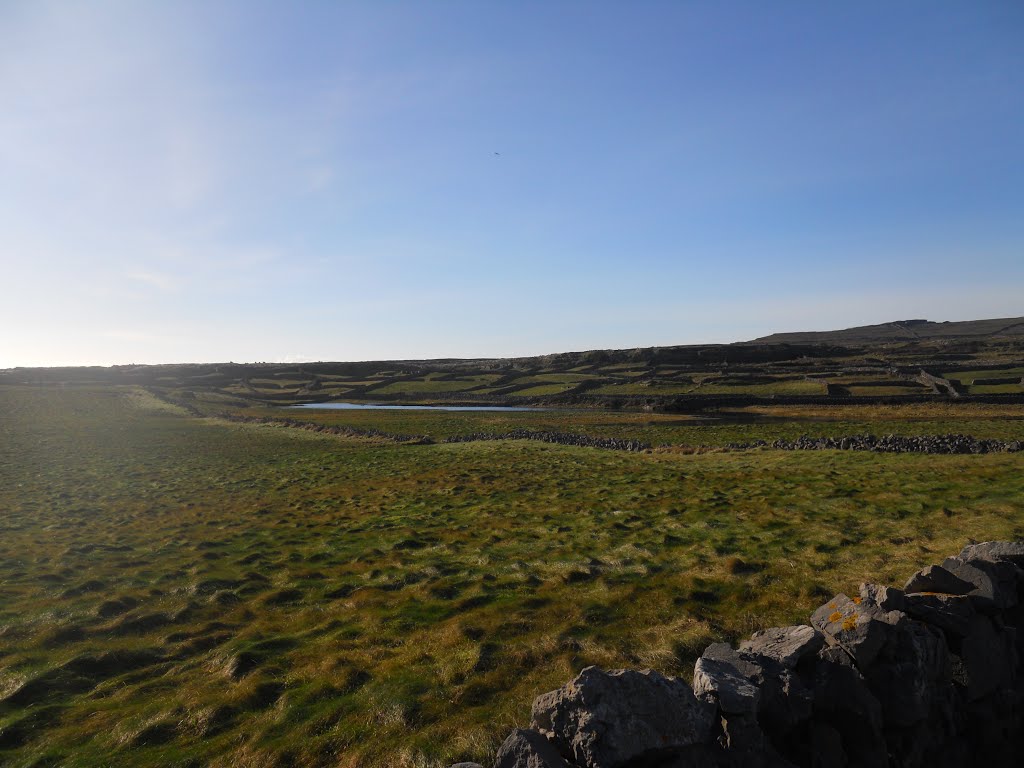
(720, 682)
(843, 702)
(827, 746)
(786, 645)
(526, 749)
(886, 598)
(988, 657)
(606, 719)
(1010, 551)
(856, 625)
(935, 578)
(910, 673)
(742, 734)
(781, 700)
(994, 582)
(951, 613)
(754, 694)
(833, 654)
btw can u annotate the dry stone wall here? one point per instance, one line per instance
(944, 444)
(928, 675)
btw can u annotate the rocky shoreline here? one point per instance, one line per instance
(928, 675)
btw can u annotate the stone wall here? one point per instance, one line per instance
(944, 444)
(927, 675)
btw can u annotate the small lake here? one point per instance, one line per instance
(379, 407)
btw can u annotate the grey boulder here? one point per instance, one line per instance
(720, 682)
(859, 627)
(950, 613)
(1010, 551)
(527, 749)
(727, 677)
(786, 645)
(988, 657)
(886, 598)
(607, 719)
(910, 673)
(755, 695)
(843, 702)
(935, 578)
(993, 582)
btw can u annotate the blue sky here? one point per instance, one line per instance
(195, 181)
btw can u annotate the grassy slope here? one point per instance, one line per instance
(402, 605)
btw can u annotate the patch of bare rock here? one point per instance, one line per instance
(929, 675)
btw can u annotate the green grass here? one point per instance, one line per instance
(880, 391)
(555, 378)
(431, 384)
(541, 389)
(281, 597)
(968, 376)
(621, 370)
(995, 389)
(421, 387)
(710, 386)
(780, 387)
(649, 387)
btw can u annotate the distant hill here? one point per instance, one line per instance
(903, 330)
(901, 362)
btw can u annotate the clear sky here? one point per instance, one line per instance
(212, 181)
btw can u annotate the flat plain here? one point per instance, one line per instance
(181, 588)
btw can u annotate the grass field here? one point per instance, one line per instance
(781, 387)
(969, 376)
(423, 387)
(646, 388)
(542, 389)
(186, 591)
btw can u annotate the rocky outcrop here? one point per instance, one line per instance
(930, 675)
(528, 749)
(613, 719)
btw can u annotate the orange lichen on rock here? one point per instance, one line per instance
(835, 617)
